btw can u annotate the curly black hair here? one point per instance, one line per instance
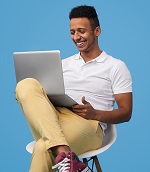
(85, 11)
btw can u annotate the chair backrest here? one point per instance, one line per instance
(30, 147)
(109, 138)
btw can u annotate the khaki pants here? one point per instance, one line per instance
(52, 126)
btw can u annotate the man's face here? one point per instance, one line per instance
(82, 34)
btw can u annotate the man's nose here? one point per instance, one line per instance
(77, 36)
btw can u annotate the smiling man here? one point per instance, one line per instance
(95, 80)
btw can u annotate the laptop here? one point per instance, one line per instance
(46, 67)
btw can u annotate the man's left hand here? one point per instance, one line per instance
(85, 111)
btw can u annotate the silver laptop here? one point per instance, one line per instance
(46, 67)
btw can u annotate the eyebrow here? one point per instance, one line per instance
(78, 29)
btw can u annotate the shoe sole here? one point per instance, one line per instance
(86, 170)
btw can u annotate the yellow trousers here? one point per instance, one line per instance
(52, 126)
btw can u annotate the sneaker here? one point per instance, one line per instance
(70, 163)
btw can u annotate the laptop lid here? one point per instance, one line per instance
(45, 66)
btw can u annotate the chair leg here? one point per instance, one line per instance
(96, 161)
(86, 162)
(97, 164)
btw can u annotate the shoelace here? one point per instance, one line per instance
(63, 166)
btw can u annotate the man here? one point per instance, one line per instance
(92, 78)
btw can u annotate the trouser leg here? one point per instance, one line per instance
(42, 160)
(41, 115)
(42, 118)
(54, 126)
(82, 135)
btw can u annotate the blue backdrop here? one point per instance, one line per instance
(44, 25)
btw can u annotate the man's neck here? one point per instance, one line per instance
(88, 56)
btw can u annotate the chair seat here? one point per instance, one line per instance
(109, 139)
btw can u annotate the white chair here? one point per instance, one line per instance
(109, 139)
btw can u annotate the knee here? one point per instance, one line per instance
(25, 87)
(40, 147)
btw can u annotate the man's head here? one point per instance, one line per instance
(85, 11)
(85, 29)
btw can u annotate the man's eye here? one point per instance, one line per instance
(82, 31)
(72, 33)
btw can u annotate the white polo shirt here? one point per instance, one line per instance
(98, 80)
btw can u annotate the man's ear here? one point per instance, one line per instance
(97, 31)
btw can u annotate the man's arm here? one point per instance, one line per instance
(121, 114)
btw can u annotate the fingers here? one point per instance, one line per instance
(83, 115)
(84, 101)
(84, 110)
(79, 108)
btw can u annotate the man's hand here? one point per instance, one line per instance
(115, 116)
(86, 110)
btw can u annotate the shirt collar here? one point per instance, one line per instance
(101, 58)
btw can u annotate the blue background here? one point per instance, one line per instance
(44, 25)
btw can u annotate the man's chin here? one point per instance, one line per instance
(81, 49)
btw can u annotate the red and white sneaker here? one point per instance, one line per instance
(70, 163)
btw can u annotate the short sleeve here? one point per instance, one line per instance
(121, 78)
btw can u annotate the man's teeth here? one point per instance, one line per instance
(79, 43)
